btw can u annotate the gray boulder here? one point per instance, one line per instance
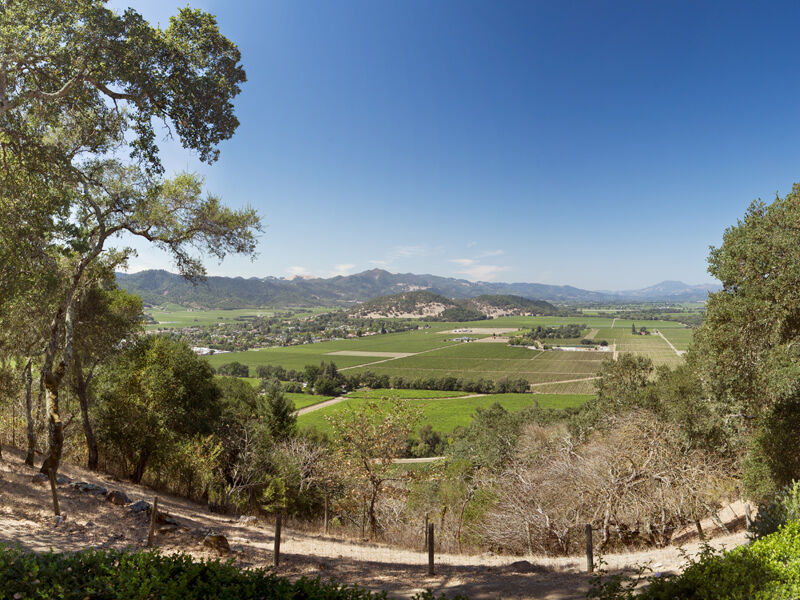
(217, 542)
(117, 497)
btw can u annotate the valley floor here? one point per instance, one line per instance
(26, 519)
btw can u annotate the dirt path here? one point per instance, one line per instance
(614, 350)
(614, 321)
(319, 405)
(592, 333)
(92, 522)
(674, 349)
(377, 362)
(564, 381)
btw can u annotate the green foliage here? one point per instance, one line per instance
(276, 412)
(784, 507)
(149, 397)
(143, 575)
(767, 569)
(747, 347)
(489, 440)
(459, 314)
(233, 369)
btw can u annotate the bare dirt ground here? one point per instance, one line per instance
(320, 405)
(493, 340)
(92, 522)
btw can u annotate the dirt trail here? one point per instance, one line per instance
(26, 519)
(674, 349)
(319, 405)
(564, 381)
(377, 362)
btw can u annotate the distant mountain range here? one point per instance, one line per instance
(158, 287)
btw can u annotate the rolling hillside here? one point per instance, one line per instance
(421, 304)
(159, 287)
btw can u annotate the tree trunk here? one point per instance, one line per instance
(82, 391)
(55, 427)
(31, 430)
(373, 522)
(141, 464)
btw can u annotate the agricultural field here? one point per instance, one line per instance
(303, 400)
(445, 415)
(495, 361)
(182, 317)
(403, 394)
(431, 352)
(652, 346)
(173, 316)
(680, 338)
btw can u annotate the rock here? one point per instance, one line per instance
(523, 566)
(246, 520)
(167, 529)
(140, 506)
(117, 497)
(163, 517)
(89, 524)
(41, 479)
(62, 479)
(218, 542)
(58, 520)
(90, 488)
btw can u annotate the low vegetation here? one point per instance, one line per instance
(142, 575)
(767, 569)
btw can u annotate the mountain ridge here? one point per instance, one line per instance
(159, 286)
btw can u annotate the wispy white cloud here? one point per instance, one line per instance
(472, 244)
(409, 251)
(463, 261)
(483, 272)
(298, 271)
(343, 269)
(490, 253)
(379, 263)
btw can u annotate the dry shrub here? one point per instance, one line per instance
(636, 482)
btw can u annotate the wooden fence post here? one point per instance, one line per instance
(153, 517)
(325, 518)
(748, 521)
(589, 553)
(425, 533)
(276, 552)
(52, 475)
(431, 545)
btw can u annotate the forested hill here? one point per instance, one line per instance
(159, 287)
(421, 304)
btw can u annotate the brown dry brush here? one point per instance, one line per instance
(636, 482)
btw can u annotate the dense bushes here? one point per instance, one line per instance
(783, 508)
(768, 569)
(234, 369)
(143, 575)
(326, 380)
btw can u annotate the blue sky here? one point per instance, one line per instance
(599, 144)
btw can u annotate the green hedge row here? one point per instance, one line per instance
(107, 574)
